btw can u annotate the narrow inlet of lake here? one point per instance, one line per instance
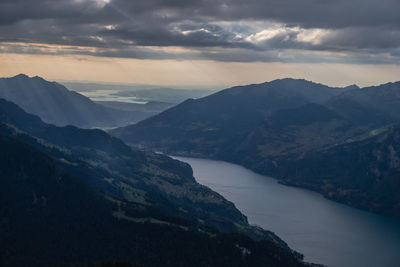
(324, 231)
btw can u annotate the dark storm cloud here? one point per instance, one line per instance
(364, 38)
(226, 30)
(186, 35)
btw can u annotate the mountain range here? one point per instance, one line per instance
(57, 105)
(362, 173)
(84, 197)
(274, 126)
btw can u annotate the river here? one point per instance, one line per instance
(324, 231)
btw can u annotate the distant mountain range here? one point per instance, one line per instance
(70, 196)
(274, 126)
(140, 92)
(57, 105)
(168, 95)
(208, 125)
(150, 108)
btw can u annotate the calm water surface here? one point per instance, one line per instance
(324, 231)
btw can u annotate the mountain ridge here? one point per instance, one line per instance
(271, 126)
(69, 223)
(55, 104)
(154, 184)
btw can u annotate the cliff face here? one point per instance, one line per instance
(57, 105)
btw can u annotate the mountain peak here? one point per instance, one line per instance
(21, 76)
(293, 82)
(39, 78)
(352, 86)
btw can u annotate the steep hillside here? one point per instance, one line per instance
(363, 173)
(293, 132)
(154, 181)
(52, 218)
(205, 125)
(144, 187)
(382, 99)
(55, 104)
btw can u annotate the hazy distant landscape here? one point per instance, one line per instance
(199, 133)
(101, 108)
(137, 93)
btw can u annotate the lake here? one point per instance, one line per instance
(324, 231)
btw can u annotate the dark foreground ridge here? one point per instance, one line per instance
(76, 197)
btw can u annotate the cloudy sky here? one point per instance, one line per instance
(203, 42)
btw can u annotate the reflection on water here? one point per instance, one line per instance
(324, 231)
(109, 95)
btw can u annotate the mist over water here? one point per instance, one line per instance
(107, 95)
(324, 231)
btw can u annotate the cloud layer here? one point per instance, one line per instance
(340, 31)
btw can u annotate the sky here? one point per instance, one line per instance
(203, 42)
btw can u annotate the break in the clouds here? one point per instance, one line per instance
(340, 31)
